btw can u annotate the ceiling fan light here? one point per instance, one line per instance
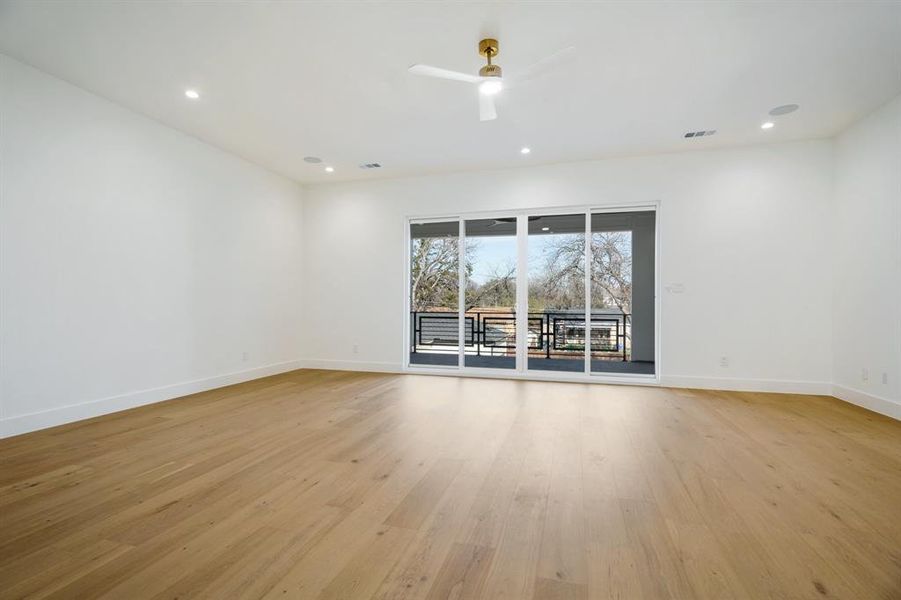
(491, 86)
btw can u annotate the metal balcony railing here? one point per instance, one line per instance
(557, 334)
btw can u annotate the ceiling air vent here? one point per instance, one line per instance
(694, 134)
(370, 166)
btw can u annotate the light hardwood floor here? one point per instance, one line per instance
(318, 484)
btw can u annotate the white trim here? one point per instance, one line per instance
(535, 375)
(20, 424)
(461, 294)
(531, 210)
(587, 268)
(658, 300)
(360, 365)
(779, 386)
(522, 293)
(732, 384)
(876, 404)
(62, 415)
(408, 263)
(883, 406)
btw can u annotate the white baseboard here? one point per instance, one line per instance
(781, 386)
(710, 383)
(19, 424)
(883, 406)
(353, 365)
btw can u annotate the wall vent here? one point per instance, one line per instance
(694, 134)
(370, 166)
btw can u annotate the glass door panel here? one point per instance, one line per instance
(556, 320)
(490, 296)
(477, 326)
(622, 292)
(434, 297)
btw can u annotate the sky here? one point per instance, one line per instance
(497, 255)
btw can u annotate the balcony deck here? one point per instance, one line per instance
(535, 363)
(555, 339)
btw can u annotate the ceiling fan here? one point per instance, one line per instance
(490, 79)
(505, 220)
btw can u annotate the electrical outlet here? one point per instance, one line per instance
(885, 379)
(864, 374)
(356, 349)
(724, 362)
(244, 356)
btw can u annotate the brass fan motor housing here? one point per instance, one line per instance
(490, 71)
(488, 47)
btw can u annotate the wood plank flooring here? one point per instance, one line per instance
(319, 484)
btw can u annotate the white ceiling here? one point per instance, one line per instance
(284, 80)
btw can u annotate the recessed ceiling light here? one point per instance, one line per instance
(768, 125)
(313, 160)
(330, 169)
(545, 229)
(784, 109)
(525, 150)
(192, 94)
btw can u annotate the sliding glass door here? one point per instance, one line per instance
(490, 257)
(622, 292)
(556, 250)
(434, 299)
(512, 293)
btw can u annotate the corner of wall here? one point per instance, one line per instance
(866, 200)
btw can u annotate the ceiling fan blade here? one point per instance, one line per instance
(427, 71)
(487, 111)
(544, 65)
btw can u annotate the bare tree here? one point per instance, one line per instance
(561, 284)
(433, 273)
(498, 291)
(611, 269)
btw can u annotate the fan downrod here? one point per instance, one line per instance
(488, 48)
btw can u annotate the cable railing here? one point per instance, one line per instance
(552, 334)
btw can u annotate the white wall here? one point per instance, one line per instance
(136, 263)
(867, 255)
(745, 231)
(139, 264)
